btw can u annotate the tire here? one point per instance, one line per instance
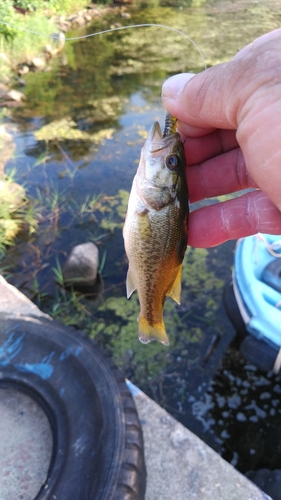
(98, 449)
(259, 353)
(233, 312)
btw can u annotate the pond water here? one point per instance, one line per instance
(78, 136)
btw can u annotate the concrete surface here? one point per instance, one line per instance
(26, 446)
(179, 465)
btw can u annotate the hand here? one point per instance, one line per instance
(230, 115)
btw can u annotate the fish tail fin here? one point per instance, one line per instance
(148, 332)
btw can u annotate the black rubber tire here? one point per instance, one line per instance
(98, 449)
(258, 352)
(233, 312)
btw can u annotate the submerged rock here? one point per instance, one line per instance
(81, 268)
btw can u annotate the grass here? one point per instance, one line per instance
(17, 44)
(58, 273)
(23, 47)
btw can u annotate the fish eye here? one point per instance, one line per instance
(172, 162)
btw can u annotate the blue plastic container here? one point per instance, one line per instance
(257, 289)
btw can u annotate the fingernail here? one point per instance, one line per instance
(174, 85)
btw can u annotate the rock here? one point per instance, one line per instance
(87, 17)
(7, 147)
(126, 15)
(115, 25)
(123, 2)
(10, 104)
(38, 62)
(77, 20)
(93, 12)
(11, 99)
(21, 82)
(81, 267)
(80, 21)
(58, 41)
(64, 26)
(71, 18)
(3, 90)
(23, 70)
(14, 95)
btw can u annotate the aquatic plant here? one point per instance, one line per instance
(66, 129)
(115, 208)
(58, 273)
(16, 211)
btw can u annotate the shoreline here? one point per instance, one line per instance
(10, 96)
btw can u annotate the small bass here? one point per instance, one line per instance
(155, 230)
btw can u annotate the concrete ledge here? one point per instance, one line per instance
(179, 465)
(13, 302)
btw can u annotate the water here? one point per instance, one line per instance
(78, 136)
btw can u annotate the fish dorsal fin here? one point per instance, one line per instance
(131, 287)
(175, 292)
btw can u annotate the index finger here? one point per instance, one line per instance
(232, 219)
(217, 176)
(198, 149)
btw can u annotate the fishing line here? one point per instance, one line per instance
(119, 28)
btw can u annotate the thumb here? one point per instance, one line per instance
(202, 100)
(219, 97)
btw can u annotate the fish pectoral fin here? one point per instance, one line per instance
(175, 292)
(131, 287)
(148, 332)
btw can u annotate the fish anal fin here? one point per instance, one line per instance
(175, 292)
(130, 285)
(148, 332)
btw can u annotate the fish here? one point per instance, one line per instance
(156, 228)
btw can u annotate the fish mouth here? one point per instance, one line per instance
(155, 133)
(156, 141)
